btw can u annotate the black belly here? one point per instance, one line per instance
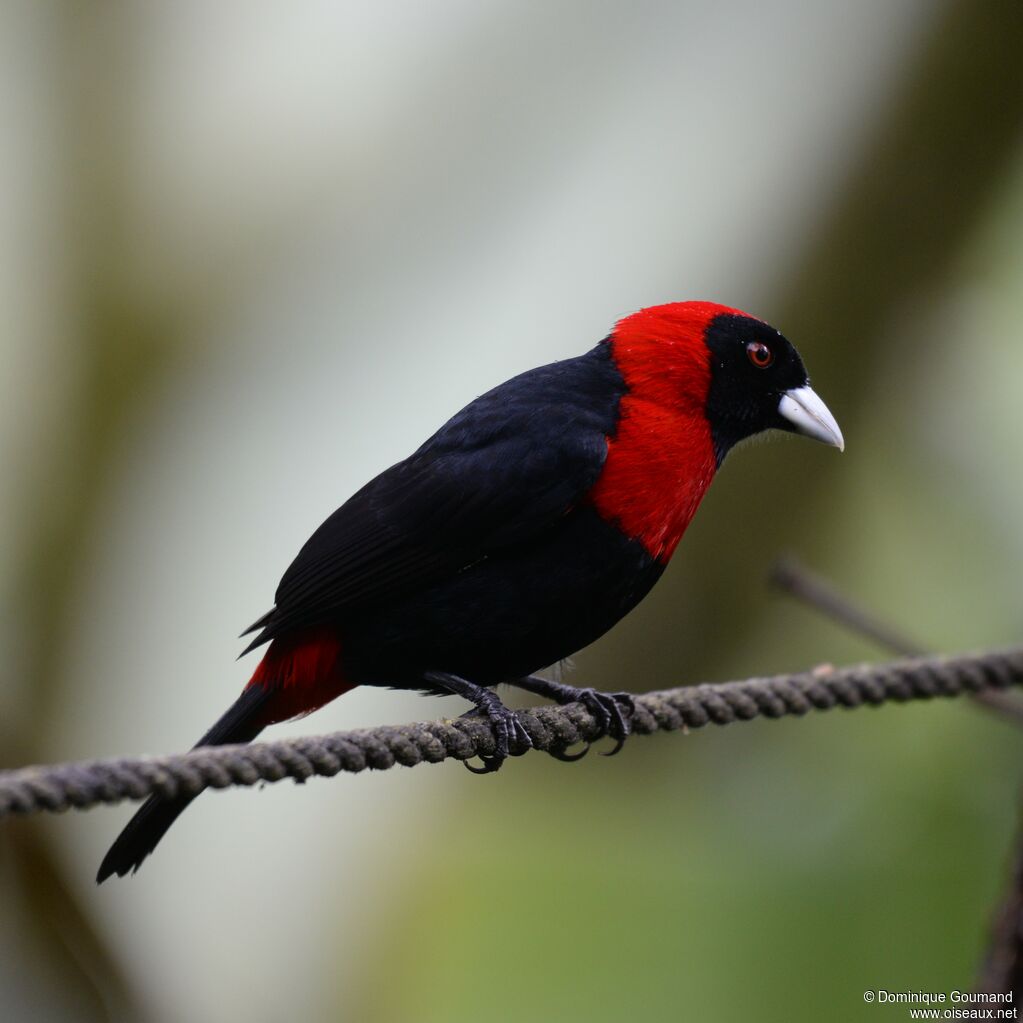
(509, 614)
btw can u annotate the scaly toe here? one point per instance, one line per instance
(519, 730)
(594, 703)
(620, 726)
(505, 725)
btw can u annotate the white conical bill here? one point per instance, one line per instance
(810, 416)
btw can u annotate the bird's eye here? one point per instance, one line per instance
(759, 354)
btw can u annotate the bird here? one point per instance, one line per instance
(525, 528)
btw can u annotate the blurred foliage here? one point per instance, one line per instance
(664, 888)
(775, 870)
(669, 889)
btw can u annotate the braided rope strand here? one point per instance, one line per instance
(88, 783)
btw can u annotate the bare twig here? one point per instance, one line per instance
(1003, 965)
(795, 579)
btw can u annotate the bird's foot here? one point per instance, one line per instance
(507, 727)
(612, 711)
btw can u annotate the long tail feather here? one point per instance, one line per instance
(241, 723)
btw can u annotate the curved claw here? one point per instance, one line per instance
(570, 758)
(619, 744)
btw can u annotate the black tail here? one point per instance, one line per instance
(156, 815)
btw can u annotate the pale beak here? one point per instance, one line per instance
(810, 416)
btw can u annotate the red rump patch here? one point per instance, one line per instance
(661, 458)
(304, 671)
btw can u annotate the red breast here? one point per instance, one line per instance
(661, 459)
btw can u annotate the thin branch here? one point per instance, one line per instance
(85, 784)
(1003, 965)
(795, 579)
(1002, 970)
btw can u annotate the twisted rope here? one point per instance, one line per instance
(88, 783)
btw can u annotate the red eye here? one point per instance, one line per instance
(759, 354)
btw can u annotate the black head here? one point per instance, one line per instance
(758, 382)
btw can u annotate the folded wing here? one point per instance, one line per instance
(504, 469)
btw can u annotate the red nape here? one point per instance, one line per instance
(304, 672)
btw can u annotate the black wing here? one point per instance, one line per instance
(505, 468)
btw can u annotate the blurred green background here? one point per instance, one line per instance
(250, 254)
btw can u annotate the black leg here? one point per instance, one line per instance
(505, 723)
(607, 708)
